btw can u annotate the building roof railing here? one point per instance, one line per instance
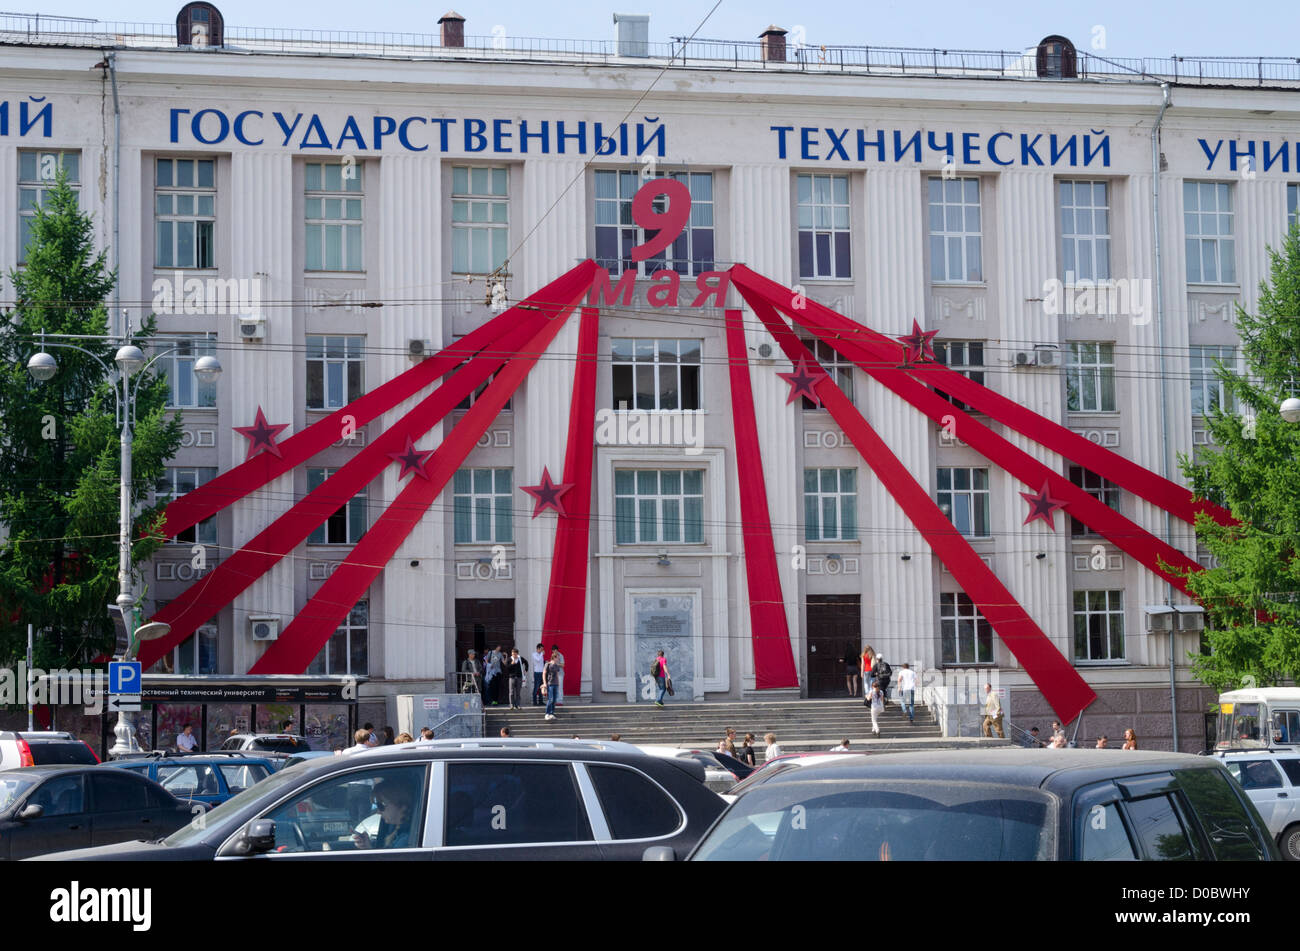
(681, 52)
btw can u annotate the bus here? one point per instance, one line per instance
(1259, 719)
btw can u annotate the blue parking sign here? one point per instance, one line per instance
(124, 677)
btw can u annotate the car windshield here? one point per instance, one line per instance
(883, 820)
(220, 820)
(13, 788)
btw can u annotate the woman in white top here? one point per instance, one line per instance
(877, 706)
(772, 751)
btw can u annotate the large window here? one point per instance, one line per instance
(617, 233)
(1207, 220)
(335, 371)
(834, 363)
(652, 505)
(1085, 231)
(1090, 378)
(967, 358)
(1208, 393)
(830, 504)
(824, 226)
(184, 389)
(1098, 625)
(198, 655)
(955, 243)
(967, 636)
(1101, 489)
(347, 524)
(185, 209)
(655, 374)
(176, 481)
(480, 219)
(333, 203)
(37, 173)
(348, 649)
(482, 500)
(964, 498)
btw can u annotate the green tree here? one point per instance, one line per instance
(1252, 599)
(60, 452)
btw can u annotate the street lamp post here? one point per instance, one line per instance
(130, 361)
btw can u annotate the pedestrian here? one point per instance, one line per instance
(404, 737)
(539, 661)
(747, 751)
(426, 733)
(1103, 743)
(851, 673)
(505, 732)
(993, 712)
(516, 666)
(616, 737)
(551, 682)
(865, 661)
(388, 737)
(555, 649)
(1130, 739)
(1058, 742)
(1057, 730)
(1031, 739)
(659, 670)
(370, 729)
(907, 691)
(773, 750)
(186, 741)
(471, 674)
(491, 671)
(359, 744)
(877, 700)
(883, 673)
(843, 747)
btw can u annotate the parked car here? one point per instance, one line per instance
(30, 748)
(721, 771)
(453, 800)
(50, 808)
(297, 758)
(289, 743)
(977, 805)
(210, 778)
(1271, 778)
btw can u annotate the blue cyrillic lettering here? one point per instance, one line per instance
(1070, 145)
(381, 127)
(1205, 147)
(808, 142)
(404, 137)
(580, 135)
(525, 135)
(1281, 153)
(287, 129)
(1234, 153)
(475, 140)
(837, 144)
(947, 144)
(315, 126)
(993, 155)
(238, 126)
(643, 144)
(1103, 146)
(878, 145)
(780, 131)
(901, 147)
(350, 131)
(443, 125)
(45, 113)
(969, 148)
(1027, 150)
(175, 122)
(500, 135)
(196, 126)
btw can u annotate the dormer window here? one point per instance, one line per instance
(1057, 59)
(199, 26)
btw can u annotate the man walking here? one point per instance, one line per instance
(491, 671)
(660, 671)
(992, 712)
(555, 650)
(551, 675)
(907, 691)
(882, 673)
(539, 661)
(515, 668)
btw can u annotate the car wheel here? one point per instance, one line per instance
(1289, 843)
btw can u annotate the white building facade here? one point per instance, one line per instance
(314, 216)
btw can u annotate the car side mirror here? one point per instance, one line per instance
(33, 811)
(257, 838)
(659, 853)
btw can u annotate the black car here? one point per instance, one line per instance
(42, 748)
(454, 800)
(51, 808)
(979, 805)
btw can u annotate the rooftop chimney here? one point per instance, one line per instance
(773, 43)
(633, 34)
(453, 29)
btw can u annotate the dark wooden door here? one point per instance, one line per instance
(834, 629)
(484, 623)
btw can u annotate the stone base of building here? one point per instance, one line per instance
(1144, 709)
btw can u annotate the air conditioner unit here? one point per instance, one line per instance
(252, 328)
(1047, 355)
(1025, 358)
(766, 351)
(418, 349)
(263, 627)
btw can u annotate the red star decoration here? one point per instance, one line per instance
(1042, 505)
(547, 493)
(261, 435)
(412, 460)
(919, 344)
(803, 381)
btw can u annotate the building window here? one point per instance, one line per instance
(348, 649)
(1101, 489)
(1208, 393)
(483, 500)
(655, 374)
(1292, 205)
(967, 358)
(185, 209)
(480, 219)
(1207, 219)
(1098, 625)
(964, 498)
(617, 233)
(347, 524)
(37, 173)
(830, 504)
(967, 637)
(184, 389)
(836, 364)
(1090, 378)
(198, 655)
(335, 371)
(824, 226)
(955, 249)
(1085, 231)
(334, 197)
(174, 483)
(652, 505)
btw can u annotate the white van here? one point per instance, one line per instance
(1259, 719)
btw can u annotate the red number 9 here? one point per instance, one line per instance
(668, 223)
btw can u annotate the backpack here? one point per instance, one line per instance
(882, 670)
(654, 667)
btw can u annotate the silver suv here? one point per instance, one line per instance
(268, 742)
(1271, 779)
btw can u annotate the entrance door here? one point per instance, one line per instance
(834, 629)
(484, 623)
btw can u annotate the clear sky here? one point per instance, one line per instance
(1121, 28)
